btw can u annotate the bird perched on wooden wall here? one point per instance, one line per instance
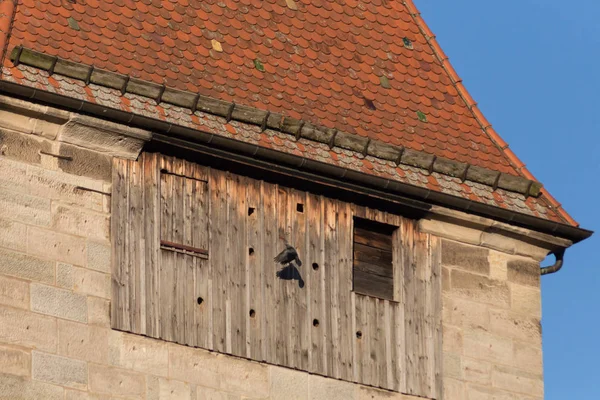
(288, 255)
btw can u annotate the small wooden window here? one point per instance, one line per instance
(184, 214)
(373, 269)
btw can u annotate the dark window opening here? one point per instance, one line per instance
(373, 270)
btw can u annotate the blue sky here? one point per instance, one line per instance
(533, 67)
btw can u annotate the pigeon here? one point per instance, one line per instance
(288, 255)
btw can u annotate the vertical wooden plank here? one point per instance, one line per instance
(316, 283)
(270, 282)
(381, 344)
(218, 246)
(360, 343)
(236, 256)
(300, 322)
(282, 290)
(151, 240)
(411, 308)
(331, 287)
(255, 259)
(345, 238)
(178, 289)
(422, 332)
(436, 314)
(135, 238)
(118, 230)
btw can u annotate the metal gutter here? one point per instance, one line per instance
(254, 154)
(560, 257)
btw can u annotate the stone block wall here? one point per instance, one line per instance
(491, 325)
(55, 289)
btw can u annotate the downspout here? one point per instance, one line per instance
(560, 255)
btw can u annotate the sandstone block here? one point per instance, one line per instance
(85, 162)
(19, 388)
(98, 311)
(370, 393)
(464, 313)
(26, 267)
(28, 329)
(59, 370)
(104, 136)
(498, 265)
(525, 300)
(453, 389)
(15, 361)
(287, 384)
(484, 346)
(165, 389)
(80, 222)
(528, 358)
(320, 388)
(13, 235)
(524, 272)
(477, 371)
(56, 246)
(244, 377)
(446, 279)
(82, 280)
(57, 185)
(58, 302)
(469, 258)
(117, 382)
(98, 256)
(478, 392)
(516, 326)
(480, 289)
(204, 393)
(516, 380)
(451, 231)
(452, 339)
(21, 147)
(14, 292)
(195, 366)
(138, 353)
(452, 366)
(84, 342)
(79, 395)
(24, 208)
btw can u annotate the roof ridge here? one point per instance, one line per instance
(8, 9)
(471, 104)
(277, 121)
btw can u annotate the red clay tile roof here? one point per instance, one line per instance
(372, 68)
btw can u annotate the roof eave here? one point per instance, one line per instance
(231, 149)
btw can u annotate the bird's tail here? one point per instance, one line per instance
(298, 262)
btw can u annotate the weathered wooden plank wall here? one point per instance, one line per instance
(236, 300)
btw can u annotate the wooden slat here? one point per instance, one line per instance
(236, 264)
(271, 283)
(436, 314)
(381, 270)
(331, 288)
(283, 301)
(375, 256)
(152, 239)
(346, 336)
(373, 239)
(411, 307)
(118, 220)
(373, 285)
(316, 283)
(300, 321)
(135, 219)
(218, 246)
(254, 270)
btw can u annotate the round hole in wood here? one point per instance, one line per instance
(251, 250)
(200, 300)
(315, 266)
(358, 334)
(315, 322)
(252, 313)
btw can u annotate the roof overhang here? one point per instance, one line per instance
(416, 198)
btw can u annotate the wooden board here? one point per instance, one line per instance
(322, 325)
